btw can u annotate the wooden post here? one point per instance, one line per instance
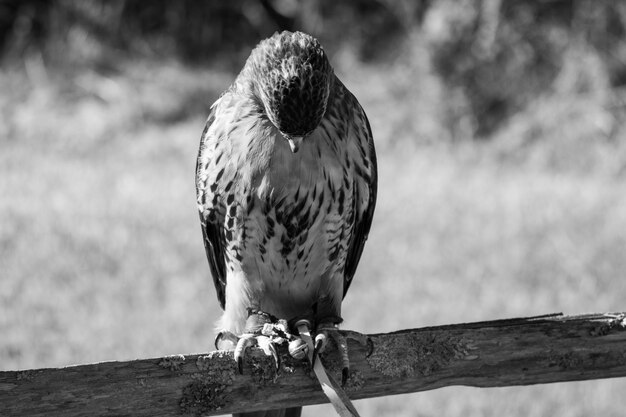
(499, 353)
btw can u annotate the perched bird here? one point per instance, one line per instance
(286, 187)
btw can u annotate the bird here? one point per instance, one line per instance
(286, 182)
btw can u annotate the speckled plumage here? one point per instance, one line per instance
(284, 230)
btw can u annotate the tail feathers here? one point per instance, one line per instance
(285, 412)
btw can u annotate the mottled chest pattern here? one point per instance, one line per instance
(288, 233)
(288, 228)
(269, 211)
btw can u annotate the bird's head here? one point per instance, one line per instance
(293, 79)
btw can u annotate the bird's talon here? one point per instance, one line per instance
(326, 331)
(265, 343)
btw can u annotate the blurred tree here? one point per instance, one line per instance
(495, 57)
(198, 30)
(501, 54)
(24, 23)
(603, 25)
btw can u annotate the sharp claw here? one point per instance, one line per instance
(275, 355)
(240, 350)
(342, 344)
(345, 374)
(226, 340)
(269, 348)
(240, 365)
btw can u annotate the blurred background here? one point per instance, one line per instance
(500, 129)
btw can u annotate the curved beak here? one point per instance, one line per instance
(295, 142)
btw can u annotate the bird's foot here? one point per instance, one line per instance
(328, 330)
(262, 330)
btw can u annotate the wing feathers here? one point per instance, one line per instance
(212, 232)
(363, 215)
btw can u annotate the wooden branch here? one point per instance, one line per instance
(487, 354)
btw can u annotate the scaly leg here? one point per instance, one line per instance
(329, 330)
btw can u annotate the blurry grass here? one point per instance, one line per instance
(101, 256)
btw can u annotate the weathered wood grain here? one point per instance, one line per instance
(487, 354)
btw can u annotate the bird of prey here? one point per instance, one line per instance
(286, 183)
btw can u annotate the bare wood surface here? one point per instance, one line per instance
(499, 353)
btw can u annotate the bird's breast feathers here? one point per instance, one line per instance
(287, 218)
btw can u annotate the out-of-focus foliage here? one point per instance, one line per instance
(92, 30)
(496, 58)
(193, 30)
(505, 54)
